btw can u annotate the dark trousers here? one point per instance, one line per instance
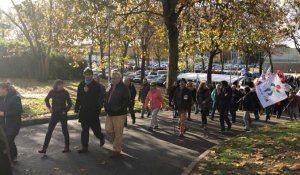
(11, 133)
(5, 167)
(224, 118)
(132, 112)
(96, 128)
(189, 112)
(55, 118)
(256, 114)
(214, 108)
(204, 114)
(233, 113)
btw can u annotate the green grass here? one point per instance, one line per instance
(267, 150)
(35, 108)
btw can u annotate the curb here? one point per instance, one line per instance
(47, 118)
(192, 165)
(43, 120)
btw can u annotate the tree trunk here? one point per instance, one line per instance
(126, 44)
(203, 64)
(222, 62)
(260, 63)
(170, 18)
(90, 57)
(144, 48)
(186, 62)
(271, 62)
(247, 62)
(209, 68)
(102, 60)
(158, 59)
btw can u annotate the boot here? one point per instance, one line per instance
(205, 127)
(83, 150)
(43, 150)
(66, 149)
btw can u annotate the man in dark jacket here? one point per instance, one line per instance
(248, 106)
(116, 103)
(5, 167)
(182, 99)
(132, 91)
(142, 96)
(236, 95)
(88, 105)
(224, 105)
(10, 117)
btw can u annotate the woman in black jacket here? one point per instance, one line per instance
(182, 99)
(203, 98)
(61, 104)
(10, 117)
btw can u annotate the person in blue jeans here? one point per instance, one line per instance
(61, 104)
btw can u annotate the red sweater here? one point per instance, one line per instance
(155, 99)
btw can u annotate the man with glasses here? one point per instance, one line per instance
(88, 105)
(116, 103)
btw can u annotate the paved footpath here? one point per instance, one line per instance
(159, 153)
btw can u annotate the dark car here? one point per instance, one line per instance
(161, 81)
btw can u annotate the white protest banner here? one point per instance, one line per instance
(271, 91)
(298, 93)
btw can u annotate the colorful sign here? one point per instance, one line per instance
(271, 91)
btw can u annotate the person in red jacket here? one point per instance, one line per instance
(156, 101)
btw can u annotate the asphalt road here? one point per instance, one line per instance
(159, 153)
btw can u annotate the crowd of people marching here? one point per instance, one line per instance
(119, 99)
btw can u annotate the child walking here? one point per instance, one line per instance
(60, 105)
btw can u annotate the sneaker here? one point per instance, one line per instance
(189, 119)
(150, 129)
(148, 115)
(142, 116)
(83, 150)
(156, 127)
(133, 121)
(181, 135)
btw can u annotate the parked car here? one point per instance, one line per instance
(161, 81)
(152, 78)
(161, 72)
(137, 79)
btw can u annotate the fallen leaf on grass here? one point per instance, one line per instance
(239, 163)
(259, 157)
(294, 167)
(216, 172)
(260, 173)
